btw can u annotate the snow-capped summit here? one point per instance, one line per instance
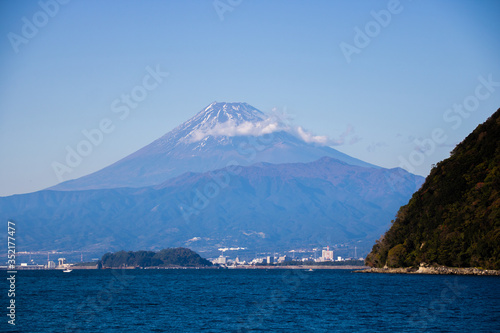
(220, 120)
(222, 112)
(218, 135)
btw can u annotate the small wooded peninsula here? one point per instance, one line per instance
(172, 257)
(454, 218)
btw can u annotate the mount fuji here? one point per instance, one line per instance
(220, 134)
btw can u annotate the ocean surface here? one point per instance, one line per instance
(190, 300)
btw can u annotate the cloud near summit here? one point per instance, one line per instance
(310, 138)
(230, 128)
(270, 125)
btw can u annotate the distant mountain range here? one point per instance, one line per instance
(230, 176)
(454, 219)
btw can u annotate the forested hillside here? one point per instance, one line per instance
(454, 219)
(166, 257)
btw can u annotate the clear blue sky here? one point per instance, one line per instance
(62, 77)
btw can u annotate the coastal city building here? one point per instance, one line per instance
(327, 255)
(257, 261)
(284, 258)
(62, 263)
(221, 260)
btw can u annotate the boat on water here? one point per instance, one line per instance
(67, 270)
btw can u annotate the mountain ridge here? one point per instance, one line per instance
(315, 203)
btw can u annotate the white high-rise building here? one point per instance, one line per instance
(222, 260)
(327, 255)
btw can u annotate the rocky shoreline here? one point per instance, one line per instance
(426, 269)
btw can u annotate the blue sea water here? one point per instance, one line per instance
(190, 300)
